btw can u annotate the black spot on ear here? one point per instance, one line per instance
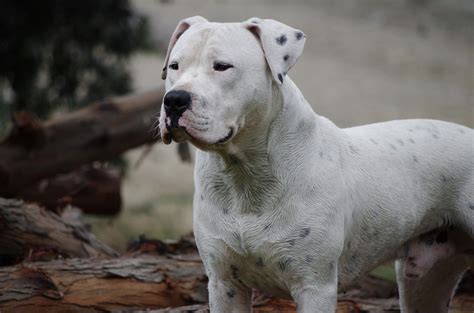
(281, 40)
(280, 78)
(178, 35)
(299, 35)
(254, 21)
(286, 57)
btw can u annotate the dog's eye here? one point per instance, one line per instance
(174, 66)
(221, 66)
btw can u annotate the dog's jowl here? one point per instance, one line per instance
(287, 202)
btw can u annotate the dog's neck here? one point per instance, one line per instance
(251, 166)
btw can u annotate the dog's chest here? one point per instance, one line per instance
(256, 259)
(257, 251)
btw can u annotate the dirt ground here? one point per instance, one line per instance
(365, 61)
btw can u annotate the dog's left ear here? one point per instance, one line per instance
(183, 26)
(282, 44)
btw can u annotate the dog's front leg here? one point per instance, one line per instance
(227, 297)
(319, 296)
(315, 300)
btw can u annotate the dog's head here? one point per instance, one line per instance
(219, 77)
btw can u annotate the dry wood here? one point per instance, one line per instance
(34, 150)
(153, 281)
(27, 227)
(461, 304)
(92, 285)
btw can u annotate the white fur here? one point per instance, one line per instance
(293, 205)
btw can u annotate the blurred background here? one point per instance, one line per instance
(365, 61)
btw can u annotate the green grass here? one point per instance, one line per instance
(386, 272)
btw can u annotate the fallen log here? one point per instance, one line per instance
(28, 228)
(34, 150)
(176, 284)
(460, 304)
(169, 276)
(93, 285)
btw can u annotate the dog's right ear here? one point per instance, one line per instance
(281, 44)
(180, 29)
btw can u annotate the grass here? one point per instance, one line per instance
(386, 272)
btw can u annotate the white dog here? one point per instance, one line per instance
(287, 202)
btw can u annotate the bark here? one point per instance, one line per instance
(460, 304)
(34, 150)
(152, 276)
(26, 229)
(93, 285)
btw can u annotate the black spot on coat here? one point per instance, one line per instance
(304, 232)
(280, 78)
(234, 271)
(286, 57)
(230, 293)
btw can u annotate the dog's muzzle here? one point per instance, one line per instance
(176, 102)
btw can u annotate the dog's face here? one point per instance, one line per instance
(219, 77)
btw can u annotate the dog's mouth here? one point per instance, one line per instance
(180, 134)
(229, 135)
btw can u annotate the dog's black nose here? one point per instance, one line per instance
(176, 102)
